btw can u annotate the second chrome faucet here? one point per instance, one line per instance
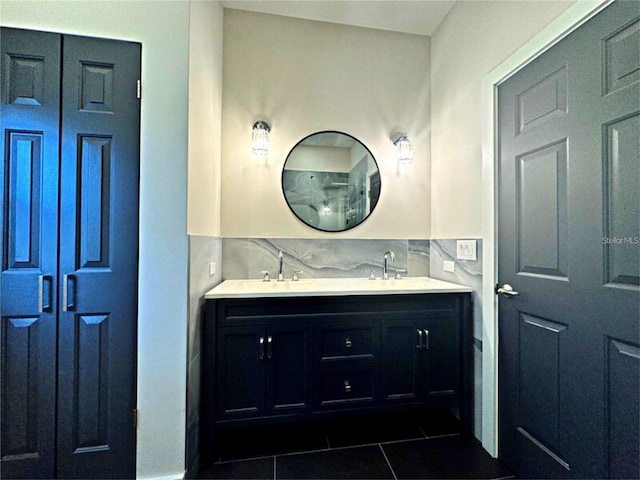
(280, 270)
(385, 268)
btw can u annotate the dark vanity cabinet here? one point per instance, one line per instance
(420, 360)
(263, 370)
(270, 360)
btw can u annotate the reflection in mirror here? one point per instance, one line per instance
(331, 181)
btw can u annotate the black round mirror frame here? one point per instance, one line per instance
(326, 200)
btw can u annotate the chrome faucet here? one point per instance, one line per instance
(385, 271)
(280, 261)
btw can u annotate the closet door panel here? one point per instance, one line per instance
(29, 140)
(98, 258)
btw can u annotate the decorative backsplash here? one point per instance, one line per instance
(318, 258)
(467, 272)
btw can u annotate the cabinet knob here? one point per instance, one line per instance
(347, 343)
(347, 386)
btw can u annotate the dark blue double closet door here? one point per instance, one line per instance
(70, 180)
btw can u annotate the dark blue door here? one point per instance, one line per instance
(70, 136)
(29, 142)
(569, 229)
(98, 281)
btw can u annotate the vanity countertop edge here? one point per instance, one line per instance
(318, 287)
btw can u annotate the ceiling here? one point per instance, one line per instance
(420, 17)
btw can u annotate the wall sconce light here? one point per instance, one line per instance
(404, 147)
(260, 138)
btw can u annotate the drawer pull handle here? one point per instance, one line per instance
(347, 343)
(347, 386)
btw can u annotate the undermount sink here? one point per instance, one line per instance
(331, 287)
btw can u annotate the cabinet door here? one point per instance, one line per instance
(421, 360)
(403, 360)
(442, 366)
(288, 369)
(29, 142)
(241, 354)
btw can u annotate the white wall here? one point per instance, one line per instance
(163, 28)
(301, 77)
(205, 117)
(473, 38)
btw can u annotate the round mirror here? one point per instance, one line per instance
(331, 181)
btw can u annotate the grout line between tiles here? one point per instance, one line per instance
(360, 445)
(243, 459)
(444, 436)
(329, 447)
(384, 454)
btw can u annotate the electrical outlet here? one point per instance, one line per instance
(449, 266)
(212, 269)
(466, 250)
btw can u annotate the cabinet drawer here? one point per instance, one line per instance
(347, 388)
(347, 341)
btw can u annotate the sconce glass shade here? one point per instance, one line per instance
(404, 148)
(260, 138)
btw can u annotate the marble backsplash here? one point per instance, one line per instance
(318, 258)
(467, 272)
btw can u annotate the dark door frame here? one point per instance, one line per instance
(567, 22)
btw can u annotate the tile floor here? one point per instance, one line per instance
(425, 446)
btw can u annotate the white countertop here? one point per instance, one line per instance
(331, 287)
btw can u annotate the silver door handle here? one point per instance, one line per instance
(66, 279)
(507, 289)
(419, 345)
(41, 279)
(426, 339)
(269, 346)
(261, 352)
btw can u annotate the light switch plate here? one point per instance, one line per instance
(212, 269)
(449, 266)
(466, 250)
